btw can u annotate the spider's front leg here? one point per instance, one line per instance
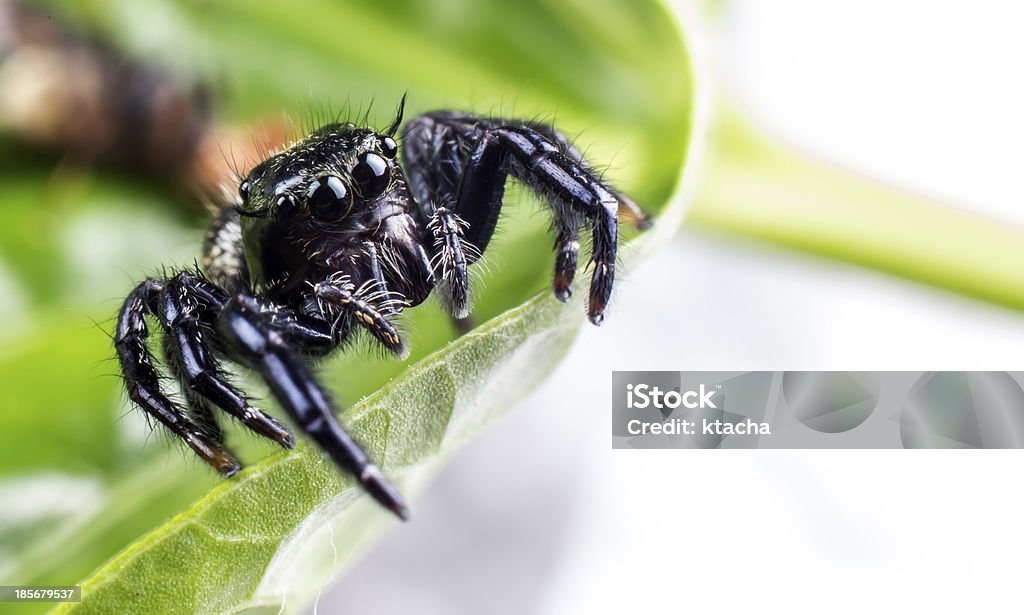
(194, 312)
(186, 307)
(143, 381)
(188, 310)
(253, 337)
(462, 161)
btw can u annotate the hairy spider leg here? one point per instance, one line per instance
(191, 358)
(143, 381)
(312, 335)
(464, 160)
(197, 407)
(571, 190)
(567, 241)
(188, 306)
(181, 305)
(256, 342)
(629, 211)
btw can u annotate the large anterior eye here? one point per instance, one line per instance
(370, 175)
(328, 198)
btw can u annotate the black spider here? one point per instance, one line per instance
(330, 235)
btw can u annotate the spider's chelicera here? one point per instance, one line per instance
(333, 235)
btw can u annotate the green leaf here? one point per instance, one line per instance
(620, 73)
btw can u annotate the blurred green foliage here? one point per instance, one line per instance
(73, 241)
(758, 188)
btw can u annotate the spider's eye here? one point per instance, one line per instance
(328, 198)
(370, 175)
(389, 147)
(243, 190)
(286, 204)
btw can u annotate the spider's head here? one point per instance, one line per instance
(334, 188)
(340, 176)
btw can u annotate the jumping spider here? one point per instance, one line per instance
(332, 234)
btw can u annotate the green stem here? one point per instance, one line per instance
(757, 188)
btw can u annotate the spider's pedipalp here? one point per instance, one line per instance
(341, 299)
(451, 266)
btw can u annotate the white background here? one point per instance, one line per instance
(539, 515)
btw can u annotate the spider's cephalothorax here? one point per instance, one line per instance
(331, 235)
